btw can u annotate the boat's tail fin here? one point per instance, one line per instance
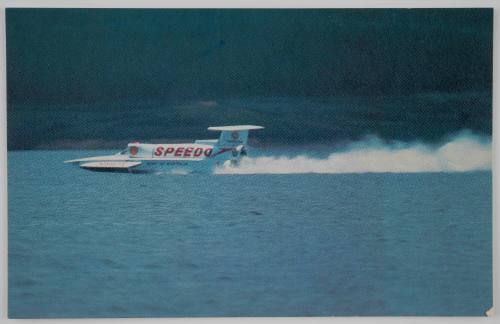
(232, 136)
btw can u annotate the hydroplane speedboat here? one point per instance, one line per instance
(202, 155)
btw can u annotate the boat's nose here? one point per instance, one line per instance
(73, 161)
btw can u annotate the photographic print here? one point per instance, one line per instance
(249, 162)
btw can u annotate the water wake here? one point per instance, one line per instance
(461, 153)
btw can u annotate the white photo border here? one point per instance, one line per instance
(248, 4)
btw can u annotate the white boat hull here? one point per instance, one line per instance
(200, 156)
(119, 164)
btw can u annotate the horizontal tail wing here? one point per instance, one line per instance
(235, 128)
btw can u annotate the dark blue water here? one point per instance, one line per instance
(85, 244)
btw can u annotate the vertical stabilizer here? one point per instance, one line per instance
(232, 136)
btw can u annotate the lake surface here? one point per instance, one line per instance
(85, 244)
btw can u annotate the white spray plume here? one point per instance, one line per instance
(463, 152)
